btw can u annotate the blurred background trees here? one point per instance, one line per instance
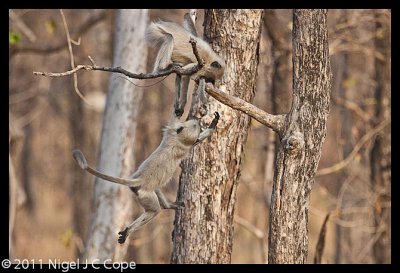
(51, 199)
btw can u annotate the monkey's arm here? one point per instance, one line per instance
(81, 160)
(207, 133)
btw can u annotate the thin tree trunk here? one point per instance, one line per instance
(300, 149)
(112, 202)
(203, 230)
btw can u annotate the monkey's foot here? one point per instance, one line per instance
(122, 235)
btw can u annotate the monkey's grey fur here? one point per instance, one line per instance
(173, 40)
(175, 49)
(157, 169)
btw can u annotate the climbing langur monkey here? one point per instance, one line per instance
(157, 169)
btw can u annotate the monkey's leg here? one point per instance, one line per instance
(184, 90)
(201, 90)
(165, 204)
(149, 202)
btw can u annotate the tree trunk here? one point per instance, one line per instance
(301, 143)
(112, 202)
(203, 230)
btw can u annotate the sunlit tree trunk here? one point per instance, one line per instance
(300, 149)
(112, 202)
(204, 228)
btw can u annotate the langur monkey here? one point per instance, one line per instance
(157, 169)
(175, 50)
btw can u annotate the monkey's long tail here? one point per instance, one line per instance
(81, 160)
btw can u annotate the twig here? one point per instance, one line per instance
(72, 58)
(200, 61)
(118, 69)
(275, 122)
(340, 165)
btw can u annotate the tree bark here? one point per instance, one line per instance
(300, 149)
(203, 230)
(112, 202)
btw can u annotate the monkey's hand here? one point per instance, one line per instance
(209, 130)
(178, 112)
(215, 121)
(122, 235)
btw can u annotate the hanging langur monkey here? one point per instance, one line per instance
(175, 50)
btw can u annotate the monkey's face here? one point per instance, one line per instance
(212, 71)
(188, 131)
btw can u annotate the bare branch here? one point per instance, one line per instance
(174, 69)
(200, 61)
(275, 122)
(118, 69)
(72, 58)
